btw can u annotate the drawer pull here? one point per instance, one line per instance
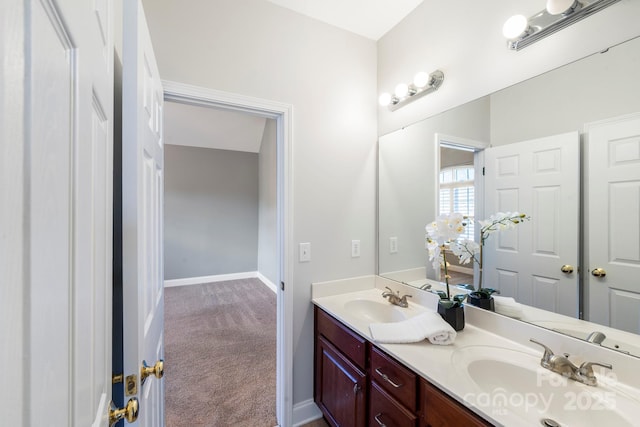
(380, 423)
(356, 388)
(387, 379)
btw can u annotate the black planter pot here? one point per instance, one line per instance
(482, 300)
(453, 316)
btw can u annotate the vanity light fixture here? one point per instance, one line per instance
(423, 84)
(557, 15)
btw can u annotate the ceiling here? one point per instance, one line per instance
(369, 18)
(212, 128)
(229, 130)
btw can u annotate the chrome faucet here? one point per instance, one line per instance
(563, 366)
(395, 298)
(596, 337)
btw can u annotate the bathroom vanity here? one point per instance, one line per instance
(359, 384)
(490, 375)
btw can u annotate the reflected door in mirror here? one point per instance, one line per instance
(613, 274)
(540, 178)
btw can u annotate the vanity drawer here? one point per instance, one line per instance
(350, 344)
(394, 378)
(440, 410)
(384, 410)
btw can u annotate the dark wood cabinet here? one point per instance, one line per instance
(358, 384)
(398, 381)
(352, 345)
(386, 411)
(340, 375)
(340, 387)
(439, 410)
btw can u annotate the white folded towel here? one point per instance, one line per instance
(507, 306)
(428, 325)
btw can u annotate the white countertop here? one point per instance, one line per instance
(434, 362)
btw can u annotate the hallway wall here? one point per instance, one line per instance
(258, 49)
(211, 212)
(267, 204)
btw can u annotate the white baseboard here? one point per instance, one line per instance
(210, 279)
(305, 412)
(459, 269)
(221, 278)
(267, 282)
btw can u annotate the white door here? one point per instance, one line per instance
(613, 227)
(540, 178)
(142, 189)
(57, 99)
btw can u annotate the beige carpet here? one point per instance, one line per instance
(220, 355)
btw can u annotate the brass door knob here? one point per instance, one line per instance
(598, 272)
(567, 269)
(129, 412)
(156, 370)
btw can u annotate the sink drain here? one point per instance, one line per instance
(548, 422)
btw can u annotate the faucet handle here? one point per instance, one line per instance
(546, 357)
(586, 367)
(585, 372)
(403, 301)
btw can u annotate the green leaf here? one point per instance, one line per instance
(441, 294)
(447, 304)
(459, 298)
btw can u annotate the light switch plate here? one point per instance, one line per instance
(305, 252)
(355, 248)
(393, 245)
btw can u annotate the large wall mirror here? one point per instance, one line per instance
(582, 105)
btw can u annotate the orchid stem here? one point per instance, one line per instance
(446, 273)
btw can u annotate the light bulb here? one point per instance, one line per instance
(421, 79)
(514, 26)
(556, 7)
(385, 99)
(401, 90)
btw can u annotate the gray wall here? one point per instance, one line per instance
(595, 88)
(219, 44)
(267, 205)
(407, 181)
(451, 157)
(211, 212)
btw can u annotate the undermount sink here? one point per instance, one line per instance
(374, 311)
(512, 384)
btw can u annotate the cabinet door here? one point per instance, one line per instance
(340, 387)
(439, 410)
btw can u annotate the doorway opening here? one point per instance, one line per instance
(460, 189)
(277, 116)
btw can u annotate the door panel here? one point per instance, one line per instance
(51, 212)
(539, 178)
(142, 189)
(613, 229)
(68, 144)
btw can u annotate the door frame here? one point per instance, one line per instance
(283, 114)
(478, 148)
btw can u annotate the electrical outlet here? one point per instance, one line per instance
(393, 245)
(305, 252)
(355, 248)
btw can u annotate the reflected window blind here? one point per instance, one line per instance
(457, 194)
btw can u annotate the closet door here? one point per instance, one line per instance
(541, 178)
(613, 229)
